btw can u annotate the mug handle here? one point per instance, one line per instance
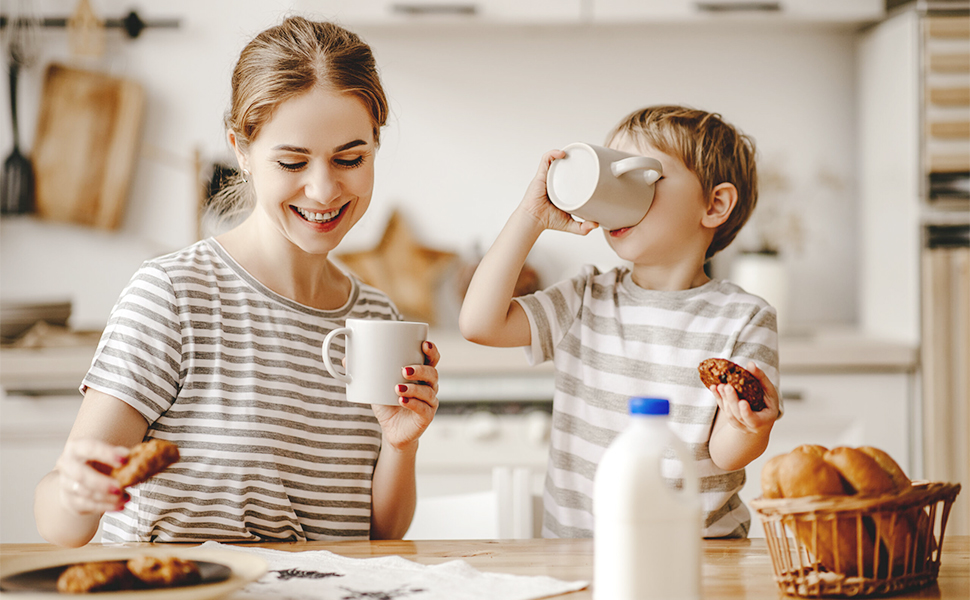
(326, 353)
(653, 167)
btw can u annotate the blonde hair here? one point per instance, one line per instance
(715, 151)
(286, 61)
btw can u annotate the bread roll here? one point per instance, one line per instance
(838, 544)
(834, 543)
(861, 471)
(805, 474)
(770, 486)
(901, 482)
(812, 449)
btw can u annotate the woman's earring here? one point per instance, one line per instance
(246, 175)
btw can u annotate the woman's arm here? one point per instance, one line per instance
(394, 492)
(69, 501)
(393, 489)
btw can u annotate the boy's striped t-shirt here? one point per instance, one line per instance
(232, 373)
(611, 340)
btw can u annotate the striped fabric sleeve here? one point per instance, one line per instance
(758, 342)
(138, 359)
(552, 312)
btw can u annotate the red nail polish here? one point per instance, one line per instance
(404, 400)
(402, 388)
(408, 371)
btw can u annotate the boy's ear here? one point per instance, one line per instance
(723, 199)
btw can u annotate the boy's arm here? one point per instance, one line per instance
(488, 314)
(740, 435)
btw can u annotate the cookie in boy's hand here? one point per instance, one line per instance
(144, 461)
(714, 371)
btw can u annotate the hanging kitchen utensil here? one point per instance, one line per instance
(85, 31)
(17, 182)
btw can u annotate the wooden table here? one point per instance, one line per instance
(732, 569)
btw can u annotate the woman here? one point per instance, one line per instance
(217, 347)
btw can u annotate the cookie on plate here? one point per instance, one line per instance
(144, 461)
(164, 571)
(714, 371)
(104, 576)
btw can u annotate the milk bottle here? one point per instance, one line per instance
(647, 534)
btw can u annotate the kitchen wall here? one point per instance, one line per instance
(473, 108)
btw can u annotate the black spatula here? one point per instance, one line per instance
(17, 184)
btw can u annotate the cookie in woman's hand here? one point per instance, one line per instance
(145, 460)
(715, 371)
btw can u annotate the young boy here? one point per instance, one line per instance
(643, 330)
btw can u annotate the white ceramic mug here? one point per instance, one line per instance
(377, 352)
(613, 188)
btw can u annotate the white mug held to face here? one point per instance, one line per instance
(377, 352)
(610, 187)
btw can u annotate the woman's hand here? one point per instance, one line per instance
(402, 425)
(738, 412)
(536, 202)
(84, 484)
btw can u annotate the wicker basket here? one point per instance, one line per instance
(849, 546)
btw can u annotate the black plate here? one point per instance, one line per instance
(45, 580)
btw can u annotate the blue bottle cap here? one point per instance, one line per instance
(649, 406)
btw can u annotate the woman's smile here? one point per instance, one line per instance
(325, 221)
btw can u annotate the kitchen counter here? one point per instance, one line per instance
(822, 350)
(732, 569)
(817, 350)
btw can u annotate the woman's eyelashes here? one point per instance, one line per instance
(347, 163)
(350, 163)
(291, 166)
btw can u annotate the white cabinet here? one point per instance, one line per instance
(411, 12)
(914, 136)
(39, 400)
(889, 178)
(682, 10)
(408, 12)
(840, 409)
(32, 435)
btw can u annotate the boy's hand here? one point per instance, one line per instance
(738, 412)
(537, 204)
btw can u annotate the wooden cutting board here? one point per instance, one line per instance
(86, 144)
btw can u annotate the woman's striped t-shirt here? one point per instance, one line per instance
(611, 340)
(232, 373)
